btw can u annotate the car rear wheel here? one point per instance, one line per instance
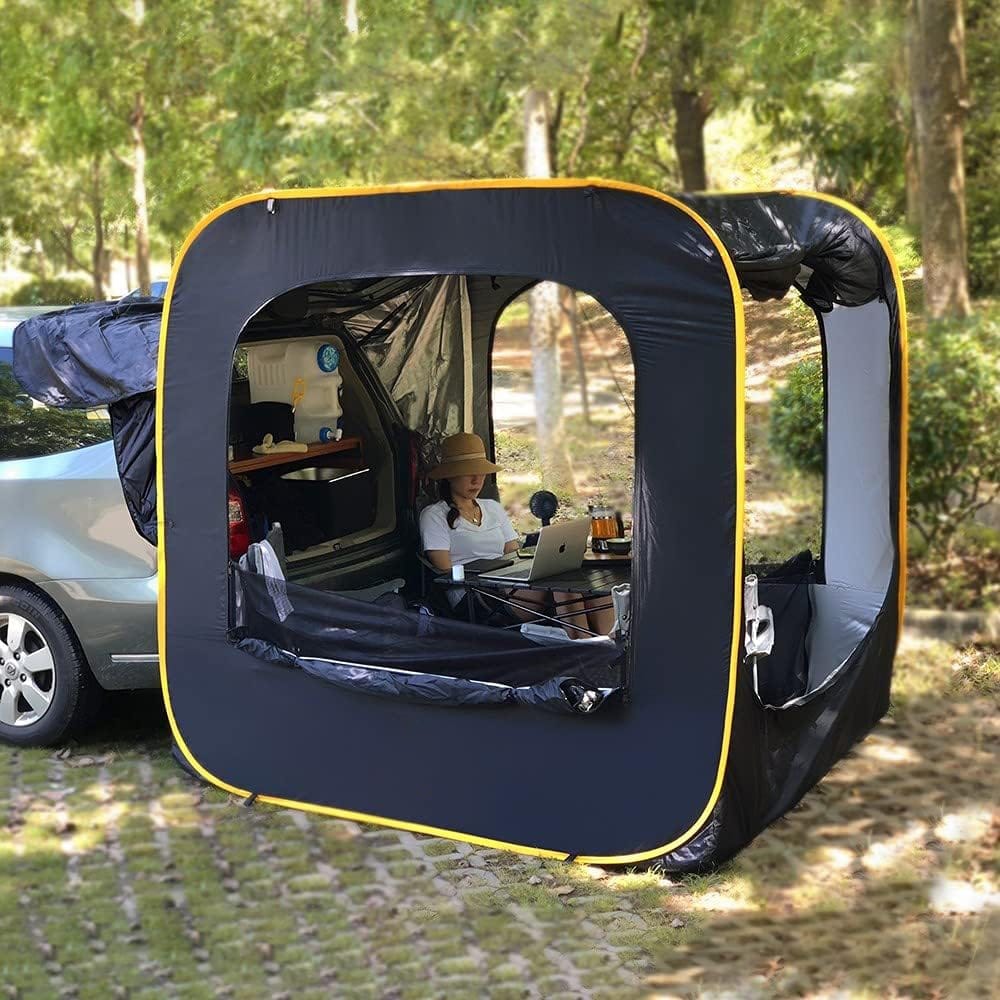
(46, 687)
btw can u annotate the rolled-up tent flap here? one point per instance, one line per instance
(102, 354)
(394, 652)
(90, 355)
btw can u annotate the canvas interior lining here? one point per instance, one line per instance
(859, 534)
(360, 419)
(858, 541)
(415, 340)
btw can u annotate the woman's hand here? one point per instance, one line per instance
(509, 547)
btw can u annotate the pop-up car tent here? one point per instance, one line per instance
(688, 745)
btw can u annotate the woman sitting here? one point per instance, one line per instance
(461, 527)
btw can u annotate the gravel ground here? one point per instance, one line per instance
(122, 877)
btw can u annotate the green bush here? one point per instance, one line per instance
(954, 421)
(797, 418)
(904, 247)
(52, 292)
(954, 454)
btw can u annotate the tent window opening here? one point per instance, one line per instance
(818, 540)
(341, 395)
(564, 397)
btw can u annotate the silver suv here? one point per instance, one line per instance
(77, 582)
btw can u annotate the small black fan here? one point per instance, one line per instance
(543, 505)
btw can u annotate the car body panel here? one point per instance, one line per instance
(65, 528)
(115, 621)
(69, 518)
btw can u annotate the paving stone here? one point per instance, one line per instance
(168, 891)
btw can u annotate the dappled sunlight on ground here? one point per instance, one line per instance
(119, 869)
(121, 876)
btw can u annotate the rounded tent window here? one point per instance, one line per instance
(564, 411)
(368, 541)
(818, 532)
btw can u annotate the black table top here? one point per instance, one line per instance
(589, 581)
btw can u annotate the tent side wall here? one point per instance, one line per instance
(845, 270)
(517, 778)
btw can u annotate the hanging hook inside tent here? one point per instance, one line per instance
(759, 620)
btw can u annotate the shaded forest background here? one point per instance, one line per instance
(121, 123)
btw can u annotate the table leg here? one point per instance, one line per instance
(538, 614)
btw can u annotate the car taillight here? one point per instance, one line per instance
(239, 529)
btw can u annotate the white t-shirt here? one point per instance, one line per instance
(467, 541)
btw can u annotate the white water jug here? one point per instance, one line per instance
(304, 373)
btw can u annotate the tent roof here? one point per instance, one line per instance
(99, 353)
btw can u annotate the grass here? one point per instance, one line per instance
(122, 877)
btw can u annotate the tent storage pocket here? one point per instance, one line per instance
(397, 652)
(783, 674)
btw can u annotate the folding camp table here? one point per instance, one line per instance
(588, 581)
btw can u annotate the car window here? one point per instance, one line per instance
(29, 429)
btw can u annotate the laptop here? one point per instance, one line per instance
(560, 549)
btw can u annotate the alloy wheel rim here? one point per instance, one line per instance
(27, 672)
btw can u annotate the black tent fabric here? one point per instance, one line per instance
(395, 652)
(93, 354)
(780, 241)
(611, 242)
(693, 763)
(102, 354)
(133, 430)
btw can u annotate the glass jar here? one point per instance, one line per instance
(603, 525)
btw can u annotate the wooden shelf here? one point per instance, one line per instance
(287, 457)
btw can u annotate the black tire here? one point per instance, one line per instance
(77, 694)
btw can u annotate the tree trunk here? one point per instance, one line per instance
(911, 170)
(69, 261)
(557, 473)
(571, 325)
(351, 17)
(97, 256)
(939, 102)
(544, 314)
(137, 123)
(127, 259)
(690, 115)
(912, 174)
(41, 260)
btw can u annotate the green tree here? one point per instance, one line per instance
(690, 42)
(101, 89)
(834, 84)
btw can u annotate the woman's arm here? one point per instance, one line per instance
(441, 559)
(511, 539)
(435, 537)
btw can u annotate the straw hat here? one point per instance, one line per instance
(462, 455)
